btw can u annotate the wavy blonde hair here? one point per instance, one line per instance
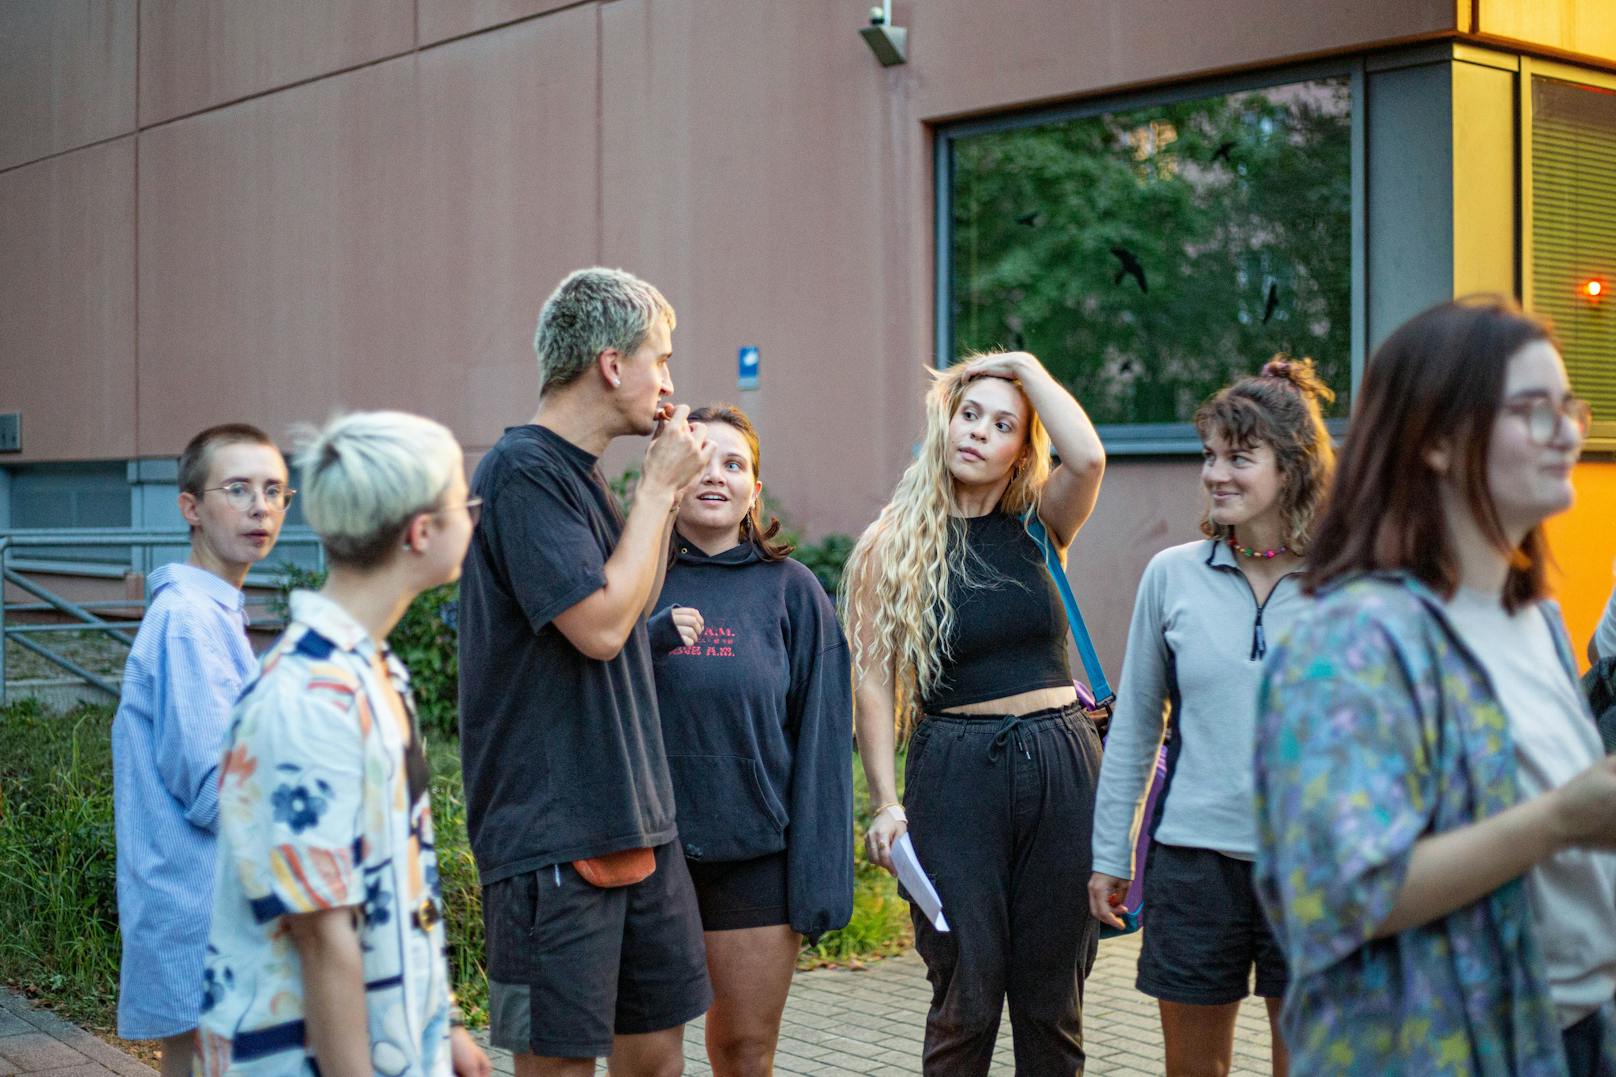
(895, 588)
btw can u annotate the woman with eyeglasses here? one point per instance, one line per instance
(1435, 815)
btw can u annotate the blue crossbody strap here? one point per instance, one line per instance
(1103, 695)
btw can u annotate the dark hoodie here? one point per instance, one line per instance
(757, 718)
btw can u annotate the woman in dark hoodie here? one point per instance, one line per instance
(757, 715)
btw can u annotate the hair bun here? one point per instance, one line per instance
(1300, 373)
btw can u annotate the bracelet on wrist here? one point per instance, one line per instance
(883, 809)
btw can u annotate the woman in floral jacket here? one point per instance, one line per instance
(1424, 761)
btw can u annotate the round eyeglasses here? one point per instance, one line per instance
(473, 507)
(243, 495)
(1543, 416)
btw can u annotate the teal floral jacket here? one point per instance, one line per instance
(1376, 726)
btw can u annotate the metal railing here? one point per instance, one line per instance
(139, 546)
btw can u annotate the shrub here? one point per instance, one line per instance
(58, 887)
(58, 894)
(425, 640)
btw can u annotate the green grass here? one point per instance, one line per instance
(58, 901)
(880, 926)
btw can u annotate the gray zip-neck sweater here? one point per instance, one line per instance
(1193, 664)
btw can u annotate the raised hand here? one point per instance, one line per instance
(678, 450)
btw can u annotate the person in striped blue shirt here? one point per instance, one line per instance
(189, 662)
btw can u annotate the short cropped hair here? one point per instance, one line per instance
(591, 311)
(366, 474)
(198, 455)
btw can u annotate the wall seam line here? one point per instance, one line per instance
(135, 242)
(600, 137)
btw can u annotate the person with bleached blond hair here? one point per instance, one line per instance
(959, 644)
(327, 948)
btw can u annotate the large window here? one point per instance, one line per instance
(1573, 176)
(1150, 254)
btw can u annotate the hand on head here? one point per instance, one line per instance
(1010, 366)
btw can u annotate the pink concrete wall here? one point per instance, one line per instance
(363, 203)
(195, 54)
(67, 75)
(67, 302)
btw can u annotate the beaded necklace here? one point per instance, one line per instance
(1247, 551)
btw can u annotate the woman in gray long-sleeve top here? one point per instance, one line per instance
(1201, 624)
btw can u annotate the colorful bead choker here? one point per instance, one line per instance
(1247, 551)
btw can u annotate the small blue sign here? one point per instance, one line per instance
(746, 363)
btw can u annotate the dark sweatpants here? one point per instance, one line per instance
(1000, 811)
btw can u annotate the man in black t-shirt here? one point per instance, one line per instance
(562, 747)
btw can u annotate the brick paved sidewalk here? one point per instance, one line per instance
(836, 1022)
(35, 1041)
(871, 1022)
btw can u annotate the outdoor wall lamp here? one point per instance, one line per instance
(889, 43)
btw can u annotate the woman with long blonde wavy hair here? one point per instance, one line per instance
(959, 644)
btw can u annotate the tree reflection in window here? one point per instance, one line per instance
(1148, 256)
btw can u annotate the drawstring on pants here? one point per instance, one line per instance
(1001, 737)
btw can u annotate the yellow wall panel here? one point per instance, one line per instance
(1584, 545)
(1483, 179)
(1581, 26)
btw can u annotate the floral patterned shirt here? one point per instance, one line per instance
(322, 805)
(1377, 727)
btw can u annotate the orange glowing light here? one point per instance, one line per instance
(1593, 289)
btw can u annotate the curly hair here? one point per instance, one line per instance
(895, 587)
(1280, 408)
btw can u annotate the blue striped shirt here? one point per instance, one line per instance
(189, 662)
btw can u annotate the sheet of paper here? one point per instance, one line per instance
(915, 882)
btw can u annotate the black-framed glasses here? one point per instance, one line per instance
(242, 495)
(1543, 415)
(472, 505)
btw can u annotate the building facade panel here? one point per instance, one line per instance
(280, 257)
(508, 203)
(67, 303)
(969, 57)
(67, 75)
(1587, 27)
(748, 168)
(195, 54)
(438, 20)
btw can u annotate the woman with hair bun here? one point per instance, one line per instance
(753, 689)
(1202, 620)
(959, 644)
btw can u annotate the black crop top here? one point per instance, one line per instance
(1010, 628)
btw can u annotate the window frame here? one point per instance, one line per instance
(1601, 445)
(1170, 438)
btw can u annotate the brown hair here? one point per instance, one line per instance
(752, 529)
(1437, 380)
(198, 455)
(1278, 407)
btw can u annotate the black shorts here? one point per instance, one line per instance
(734, 894)
(1204, 930)
(570, 965)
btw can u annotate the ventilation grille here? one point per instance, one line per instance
(1574, 237)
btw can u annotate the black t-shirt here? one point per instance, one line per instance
(562, 754)
(1010, 627)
